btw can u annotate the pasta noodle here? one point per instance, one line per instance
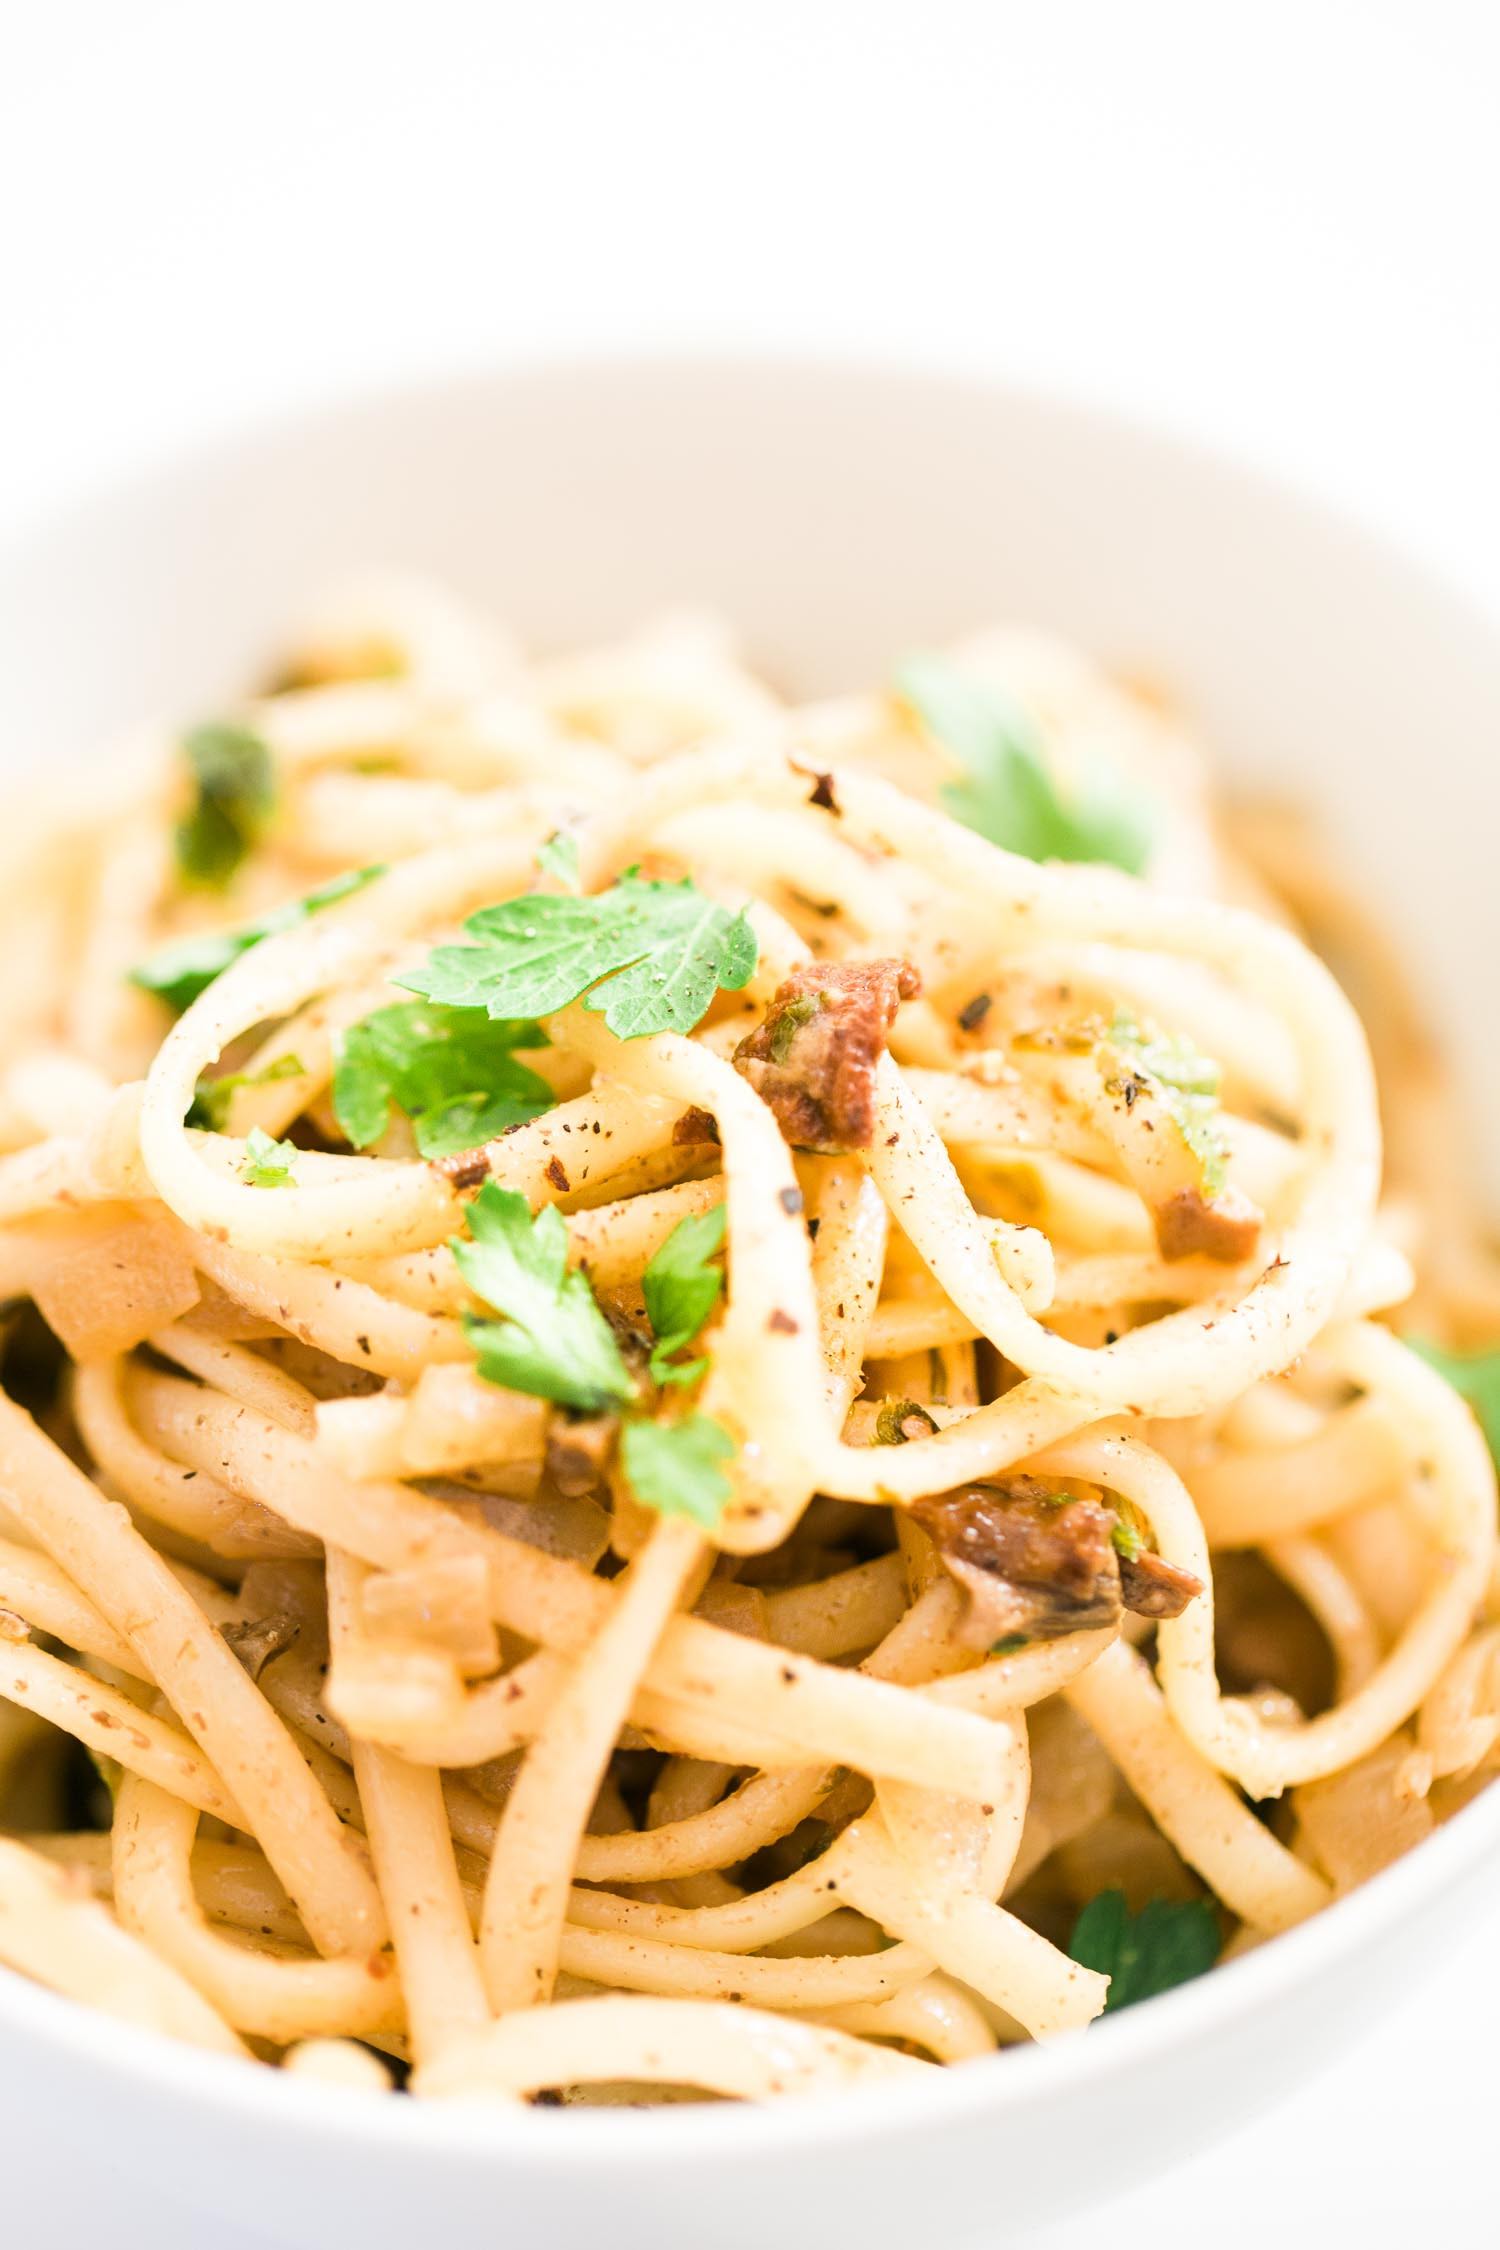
(692, 1386)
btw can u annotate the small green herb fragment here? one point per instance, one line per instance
(452, 1071)
(1126, 1541)
(1008, 793)
(674, 1466)
(681, 1287)
(212, 1096)
(790, 1021)
(267, 1163)
(1187, 1084)
(234, 795)
(649, 957)
(1167, 1943)
(179, 972)
(558, 857)
(1476, 1378)
(1009, 1644)
(551, 1339)
(892, 1423)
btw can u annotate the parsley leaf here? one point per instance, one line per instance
(649, 957)
(452, 1070)
(673, 1466)
(681, 1289)
(179, 972)
(558, 857)
(267, 1163)
(1142, 1954)
(234, 795)
(551, 1340)
(1476, 1377)
(1008, 793)
(212, 1096)
(1188, 1084)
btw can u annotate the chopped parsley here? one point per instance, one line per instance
(1186, 1082)
(1126, 1541)
(234, 795)
(1009, 1644)
(682, 1286)
(267, 1163)
(558, 857)
(179, 972)
(212, 1096)
(452, 1071)
(1476, 1378)
(1007, 792)
(674, 1466)
(891, 1423)
(551, 1340)
(648, 956)
(790, 1021)
(1167, 1943)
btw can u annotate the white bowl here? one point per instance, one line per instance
(840, 515)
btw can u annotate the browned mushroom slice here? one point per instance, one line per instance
(813, 1057)
(1039, 1563)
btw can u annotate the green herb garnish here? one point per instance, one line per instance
(551, 1340)
(1009, 1644)
(267, 1163)
(891, 1421)
(673, 1466)
(558, 857)
(681, 1288)
(179, 972)
(234, 795)
(789, 1022)
(1008, 793)
(212, 1096)
(1187, 1083)
(649, 957)
(1476, 1378)
(452, 1071)
(1167, 1943)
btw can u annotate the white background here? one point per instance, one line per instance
(1272, 224)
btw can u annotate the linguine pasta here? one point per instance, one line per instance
(708, 1397)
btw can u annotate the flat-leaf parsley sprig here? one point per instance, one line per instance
(178, 972)
(234, 796)
(681, 1285)
(673, 1467)
(1007, 792)
(1169, 1942)
(647, 956)
(552, 1341)
(453, 1071)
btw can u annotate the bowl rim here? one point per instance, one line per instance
(1014, 2080)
